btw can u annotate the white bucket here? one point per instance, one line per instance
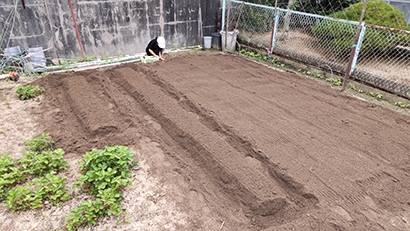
(231, 40)
(207, 42)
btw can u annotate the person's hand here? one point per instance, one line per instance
(161, 58)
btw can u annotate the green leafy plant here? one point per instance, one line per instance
(38, 144)
(399, 104)
(90, 211)
(323, 7)
(28, 92)
(10, 175)
(256, 20)
(351, 86)
(40, 160)
(44, 162)
(89, 58)
(105, 173)
(102, 169)
(333, 81)
(33, 194)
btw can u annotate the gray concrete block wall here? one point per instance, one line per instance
(108, 27)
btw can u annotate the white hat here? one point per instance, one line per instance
(161, 42)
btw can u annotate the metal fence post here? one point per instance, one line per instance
(275, 30)
(354, 46)
(359, 44)
(223, 14)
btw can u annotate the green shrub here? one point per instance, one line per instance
(339, 36)
(28, 92)
(256, 20)
(322, 7)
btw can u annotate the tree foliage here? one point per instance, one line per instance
(378, 13)
(322, 7)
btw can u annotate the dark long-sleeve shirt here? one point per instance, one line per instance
(153, 45)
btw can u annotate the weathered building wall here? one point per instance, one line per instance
(108, 27)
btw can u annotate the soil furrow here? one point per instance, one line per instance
(265, 197)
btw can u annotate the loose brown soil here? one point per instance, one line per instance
(224, 144)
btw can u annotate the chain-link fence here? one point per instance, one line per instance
(381, 54)
(384, 59)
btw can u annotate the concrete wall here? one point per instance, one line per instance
(108, 27)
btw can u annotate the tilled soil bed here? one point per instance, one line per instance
(224, 143)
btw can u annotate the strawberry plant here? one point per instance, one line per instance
(35, 163)
(105, 173)
(10, 175)
(102, 169)
(29, 91)
(90, 211)
(41, 158)
(38, 144)
(33, 194)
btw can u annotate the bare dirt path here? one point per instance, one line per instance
(234, 145)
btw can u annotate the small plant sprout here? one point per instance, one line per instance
(319, 76)
(155, 196)
(333, 81)
(400, 104)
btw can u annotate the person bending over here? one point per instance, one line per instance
(156, 47)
